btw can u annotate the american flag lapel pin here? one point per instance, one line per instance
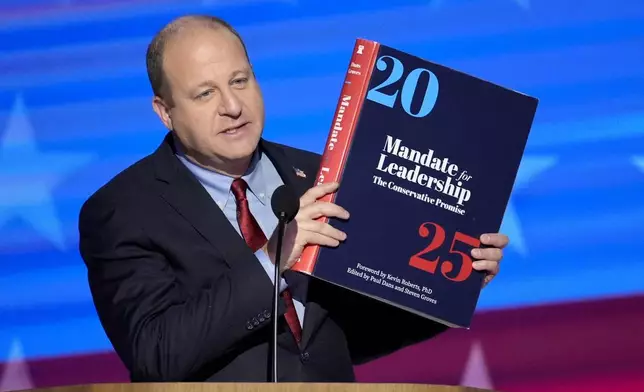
(299, 172)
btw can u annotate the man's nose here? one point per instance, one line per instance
(230, 104)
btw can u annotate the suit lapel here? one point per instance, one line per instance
(191, 200)
(314, 313)
(188, 197)
(286, 170)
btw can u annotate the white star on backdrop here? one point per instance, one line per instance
(16, 375)
(28, 177)
(476, 373)
(531, 166)
(639, 162)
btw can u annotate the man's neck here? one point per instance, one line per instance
(230, 169)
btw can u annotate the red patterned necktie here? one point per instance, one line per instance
(255, 238)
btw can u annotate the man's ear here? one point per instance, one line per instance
(162, 110)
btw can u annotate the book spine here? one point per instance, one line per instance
(338, 142)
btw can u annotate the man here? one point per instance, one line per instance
(180, 247)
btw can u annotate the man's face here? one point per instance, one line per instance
(218, 110)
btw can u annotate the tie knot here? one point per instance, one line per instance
(239, 187)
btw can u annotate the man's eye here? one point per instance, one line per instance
(240, 81)
(204, 94)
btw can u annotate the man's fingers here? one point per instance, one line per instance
(488, 253)
(321, 208)
(317, 192)
(495, 239)
(324, 229)
(492, 267)
(314, 238)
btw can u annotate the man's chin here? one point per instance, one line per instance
(238, 151)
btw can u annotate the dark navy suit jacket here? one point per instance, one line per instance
(182, 298)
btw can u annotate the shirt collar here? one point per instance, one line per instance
(218, 185)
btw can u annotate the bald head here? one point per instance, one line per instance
(171, 31)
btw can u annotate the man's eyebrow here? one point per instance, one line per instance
(211, 83)
(240, 71)
(205, 83)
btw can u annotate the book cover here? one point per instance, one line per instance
(426, 157)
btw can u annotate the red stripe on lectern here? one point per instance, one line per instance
(590, 346)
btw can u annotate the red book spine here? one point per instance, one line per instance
(340, 136)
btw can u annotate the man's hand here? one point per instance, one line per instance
(489, 259)
(305, 230)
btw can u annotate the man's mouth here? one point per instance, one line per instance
(235, 128)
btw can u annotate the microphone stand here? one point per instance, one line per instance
(285, 206)
(273, 360)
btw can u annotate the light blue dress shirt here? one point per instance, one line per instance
(262, 179)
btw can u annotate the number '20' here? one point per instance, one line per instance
(408, 89)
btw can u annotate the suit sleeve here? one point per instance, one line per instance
(160, 331)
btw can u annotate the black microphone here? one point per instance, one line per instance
(285, 206)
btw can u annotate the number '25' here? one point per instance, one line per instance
(436, 242)
(408, 88)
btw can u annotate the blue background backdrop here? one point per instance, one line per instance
(75, 109)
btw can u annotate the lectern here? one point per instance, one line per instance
(259, 387)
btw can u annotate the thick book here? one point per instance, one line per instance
(426, 157)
